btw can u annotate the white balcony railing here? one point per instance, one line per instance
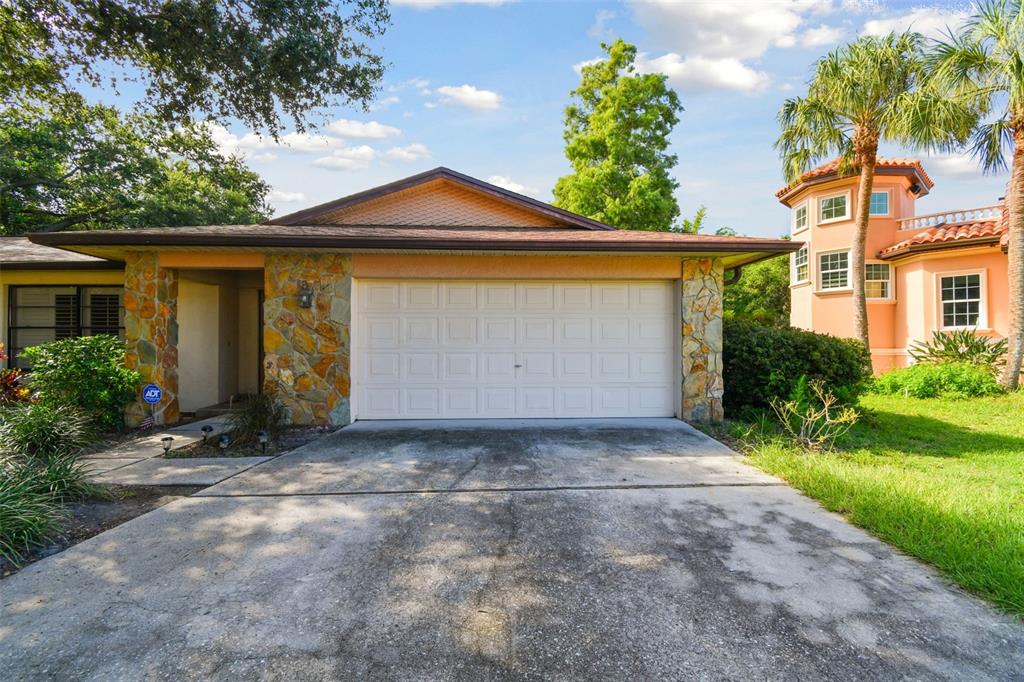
(970, 215)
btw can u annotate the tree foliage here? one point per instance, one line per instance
(982, 66)
(871, 90)
(252, 60)
(616, 135)
(761, 294)
(87, 167)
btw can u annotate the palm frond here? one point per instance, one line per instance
(990, 143)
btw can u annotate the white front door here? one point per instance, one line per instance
(455, 349)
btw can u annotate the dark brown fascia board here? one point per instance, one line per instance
(299, 217)
(125, 238)
(63, 265)
(938, 246)
(784, 199)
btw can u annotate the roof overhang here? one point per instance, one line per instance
(921, 181)
(927, 247)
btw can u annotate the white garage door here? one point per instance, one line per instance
(491, 349)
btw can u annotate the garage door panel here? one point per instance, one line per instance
(461, 349)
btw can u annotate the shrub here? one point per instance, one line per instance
(765, 363)
(262, 412)
(962, 345)
(11, 388)
(813, 417)
(29, 514)
(942, 380)
(86, 372)
(42, 430)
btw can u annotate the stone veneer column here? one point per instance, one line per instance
(151, 334)
(701, 302)
(306, 350)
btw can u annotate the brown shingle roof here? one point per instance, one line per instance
(830, 170)
(419, 237)
(20, 253)
(955, 235)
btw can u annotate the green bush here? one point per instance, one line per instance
(942, 380)
(762, 364)
(86, 372)
(962, 345)
(29, 513)
(257, 413)
(43, 430)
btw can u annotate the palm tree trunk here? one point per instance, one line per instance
(866, 160)
(1015, 206)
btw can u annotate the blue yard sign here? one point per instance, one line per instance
(151, 394)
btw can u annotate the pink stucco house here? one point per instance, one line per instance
(940, 271)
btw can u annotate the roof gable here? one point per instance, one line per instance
(440, 197)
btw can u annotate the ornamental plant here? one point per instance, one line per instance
(11, 388)
(86, 372)
(962, 345)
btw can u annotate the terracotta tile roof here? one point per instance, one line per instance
(418, 237)
(832, 168)
(20, 253)
(953, 236)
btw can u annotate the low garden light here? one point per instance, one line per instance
(263, 437)
(207, 430)
(225, 441)
(166, 442)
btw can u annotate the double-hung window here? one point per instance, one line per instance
(800, 218)
(834, 208)
(876, 280)
(879, 204)
(38, 314)
(834, 270)
(961, 299)
(800, 269)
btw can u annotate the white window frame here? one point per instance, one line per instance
(793, 277)
(807, 217)
(888, 282)
(982, 324)
(821, 271)
(888, 203)
(846, 216)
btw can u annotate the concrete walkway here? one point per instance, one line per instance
(569, 551)
(141, 461)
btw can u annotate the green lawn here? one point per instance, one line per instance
(942, 480)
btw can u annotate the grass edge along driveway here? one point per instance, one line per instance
(942, 480)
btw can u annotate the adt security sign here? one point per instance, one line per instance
(151, 394)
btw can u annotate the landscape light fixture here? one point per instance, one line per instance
(305, 295)
(224, 442)
(207, 430)
(263, 437)
(166, 441)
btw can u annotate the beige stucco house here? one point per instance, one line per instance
(437, 296)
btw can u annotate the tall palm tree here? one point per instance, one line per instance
(863, 93)
(983, 65)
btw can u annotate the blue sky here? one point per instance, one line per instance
(480, 86)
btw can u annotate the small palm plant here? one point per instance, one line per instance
(860, 96)
(982, 65)
(962, 345)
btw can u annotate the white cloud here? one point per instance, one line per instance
(930, 21)
(578, 66)
(701, 74)
(431, 4)
(821, 35)
(411, 152)
(362, 129)
(735, 29)
(511, 185)
(348, 158)
(957, 165)
(599, 29)
(385, 103)
(282, 197)
(470, 97)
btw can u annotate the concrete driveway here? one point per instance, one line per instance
(565, 550)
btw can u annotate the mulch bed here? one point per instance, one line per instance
(93, 516)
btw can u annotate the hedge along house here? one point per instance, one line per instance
(437, 296)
